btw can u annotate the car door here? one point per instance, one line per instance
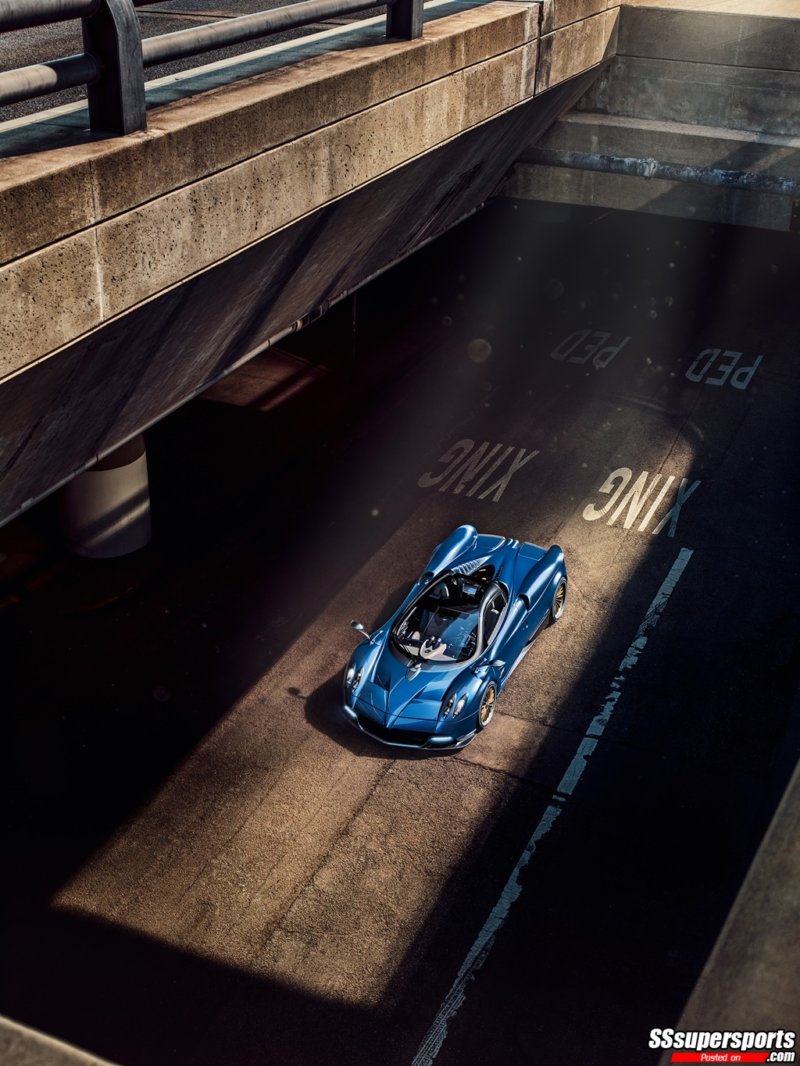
(536, 616)
(507, 643)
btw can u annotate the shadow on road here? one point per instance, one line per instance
(104, 705)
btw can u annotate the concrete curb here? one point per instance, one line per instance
(25, 1047)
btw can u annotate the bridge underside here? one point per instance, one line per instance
(264, 189)
(247, 210)
(63, 411)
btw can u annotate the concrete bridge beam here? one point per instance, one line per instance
(139, 270)
(575, 36)
(128, 218)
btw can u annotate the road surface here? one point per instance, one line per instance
(207, 865)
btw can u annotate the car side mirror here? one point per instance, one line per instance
(359, 628)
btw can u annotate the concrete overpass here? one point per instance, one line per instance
(139, 269)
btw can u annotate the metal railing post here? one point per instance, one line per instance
(114, 59)
(116, 98)
(404, 19)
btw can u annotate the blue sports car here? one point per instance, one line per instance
(430, 676)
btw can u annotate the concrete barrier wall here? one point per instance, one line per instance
(576, 35)
(674, 90)
(752, 978)
(93, 229)
(762, 34)
(692, 117)
(211, 126)
(729, 64)
(559, 13)
(20, 1046)
(597, 188)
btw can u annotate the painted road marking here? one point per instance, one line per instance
(466, 464)
(479, 952)
(598, 351)
(724, 364)
(632, 503)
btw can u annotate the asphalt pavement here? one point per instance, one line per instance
(208, 865)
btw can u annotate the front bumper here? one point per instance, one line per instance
(404, 738)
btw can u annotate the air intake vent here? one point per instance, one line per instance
(470, 567)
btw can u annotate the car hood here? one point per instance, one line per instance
(395, 692)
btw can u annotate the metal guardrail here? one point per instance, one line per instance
(115, 55)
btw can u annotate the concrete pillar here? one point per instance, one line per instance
(105, 511)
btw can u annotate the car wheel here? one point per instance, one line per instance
(560, 598)
(486, 709)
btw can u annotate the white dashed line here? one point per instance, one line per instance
(478, 953)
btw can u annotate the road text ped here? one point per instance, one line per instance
(717, 366)
(713, 366)
(599, 351)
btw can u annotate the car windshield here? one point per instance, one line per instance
(442, 626)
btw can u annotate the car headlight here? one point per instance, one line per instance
(454, 707)
(351, 673)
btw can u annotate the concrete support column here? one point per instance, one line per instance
(105, 511)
